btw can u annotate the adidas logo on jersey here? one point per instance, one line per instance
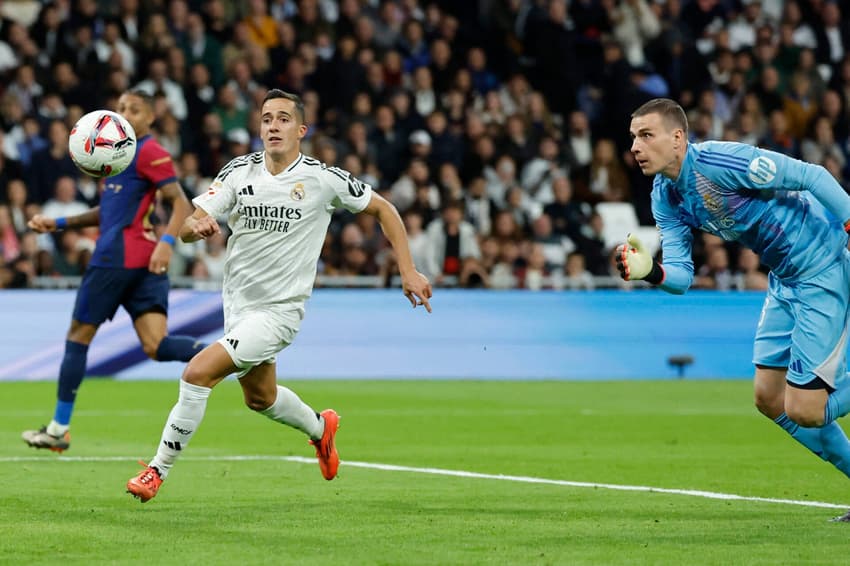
(233, 343)
(249, 190)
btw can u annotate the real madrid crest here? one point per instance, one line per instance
(297, 192)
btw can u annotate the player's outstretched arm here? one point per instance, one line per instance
(416, 286)
(42, 224)
(198, 226)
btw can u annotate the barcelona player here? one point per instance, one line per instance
(128, 267)
(796, 217)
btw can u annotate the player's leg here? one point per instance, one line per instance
(255, 342)
(805, 403)
(203, 372)
(771, 351)
(817, 367)
(838, 401)
(280, 404)
(769, 390)
(771, 355)
(152, 329)
(97, 300)
(827, 440)
(56, 436)
(148, 305)
(819, 393)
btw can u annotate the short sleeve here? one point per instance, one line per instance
(155, 164)
(220, 197)
(349, 192)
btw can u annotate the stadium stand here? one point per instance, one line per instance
(518, 109)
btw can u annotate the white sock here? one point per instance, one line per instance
(56, 429)
(182, 423)
(290, 410)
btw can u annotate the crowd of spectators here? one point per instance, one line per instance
(495, 126)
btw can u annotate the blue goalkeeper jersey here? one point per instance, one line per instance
(788, 211)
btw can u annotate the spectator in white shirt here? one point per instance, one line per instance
(64, 202)
(7, 57)
(111, 41)
(420, 245)
(453, 241)
(158, 81)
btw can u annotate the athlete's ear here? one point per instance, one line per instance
(678, 138)
(302, 131)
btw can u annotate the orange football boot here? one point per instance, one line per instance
(145, 484)
(325, 448)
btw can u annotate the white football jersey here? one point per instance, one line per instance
(278, 225)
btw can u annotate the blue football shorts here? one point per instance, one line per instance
(104, 289)
(803, 326)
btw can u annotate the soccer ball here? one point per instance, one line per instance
(102, 144)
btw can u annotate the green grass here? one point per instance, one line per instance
(685, 435)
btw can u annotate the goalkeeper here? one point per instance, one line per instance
(795, 216)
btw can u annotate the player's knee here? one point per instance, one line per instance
(193, 374)
(257, 402)
(768, 404)
(805, 416)
(150, 348)
(81, 333)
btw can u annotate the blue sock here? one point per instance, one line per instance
(62, 414)
(71, 374)
(808, 437)
(838, 402)
(836, 446)
(827, 442)
(178, 348)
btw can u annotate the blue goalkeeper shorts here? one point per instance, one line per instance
(803, 326)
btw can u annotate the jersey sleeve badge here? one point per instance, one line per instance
(762, 170)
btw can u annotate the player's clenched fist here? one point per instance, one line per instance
(205, 227)
(634, 262)
(42, 224)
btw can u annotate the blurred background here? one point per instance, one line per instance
(499, 128)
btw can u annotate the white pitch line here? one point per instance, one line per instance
(452, 473)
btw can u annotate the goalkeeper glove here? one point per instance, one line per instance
(634, 262)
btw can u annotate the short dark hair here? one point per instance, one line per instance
(670, 111)
(141, 94)
(457, 203)
(277, 93)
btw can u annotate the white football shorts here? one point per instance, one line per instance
(255, 337)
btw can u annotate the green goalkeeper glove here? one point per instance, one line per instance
(634, 262)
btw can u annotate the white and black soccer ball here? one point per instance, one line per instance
(102, 143)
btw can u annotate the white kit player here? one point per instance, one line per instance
(279, 204)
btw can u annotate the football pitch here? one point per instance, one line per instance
(433, 472)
